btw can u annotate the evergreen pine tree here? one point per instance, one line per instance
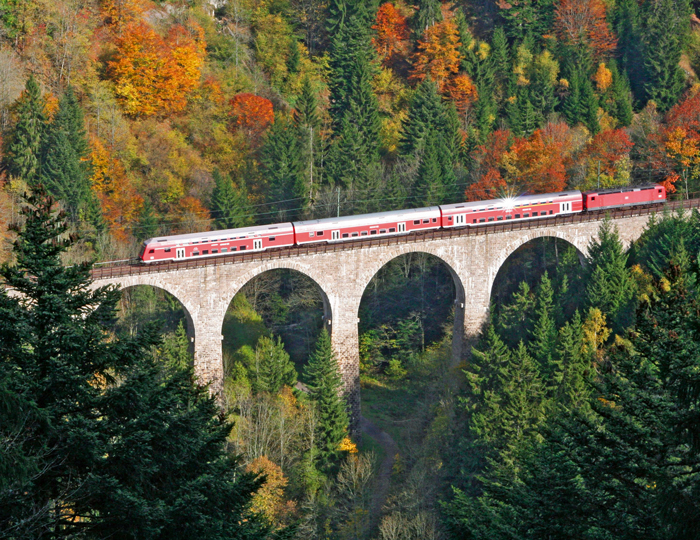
(610, 287)
(65, 171)
(282, 157)
(666, 27)
(516, 319)
(229, 204)
(175, 351)
(429, 189)
(572, 104)
(147, 225)
(574, 369)
(622, 96)
(628, 28)
(589, 107)
(23, 156)
(544, 334)
(425, 114)
(294, 58)
(273, 367)
(325, 385)
(118, 439)
(427, 15)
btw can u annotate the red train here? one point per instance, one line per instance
(348, 228)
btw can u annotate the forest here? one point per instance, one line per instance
(573, 415)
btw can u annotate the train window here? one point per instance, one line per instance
(345, 235)
(243, 248)
(205, 252)
(355, 234)
(474, 220)
(319, 233)
(426, 221)
(449, 218)
(499, 218)
(364, 233)
(382, 231)
(233, 248)
(550, 212)
(373, 231)
(517, 216)
(416, 222)
(490, 219)
(195, 242)
(205, 241)
(593, 198)
(434, 220)
(534, 214)
(526, 215)
(214, 251)
(392, 229)
(195, 253)
(167, 250)
(224, 250)
(271, 238)
(509, 217)
(151, 250)
(482, 220)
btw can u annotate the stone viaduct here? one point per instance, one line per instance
(342, 272)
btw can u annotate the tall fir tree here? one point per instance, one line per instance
(325, 386)
(544, 333)
(273, 367)
(589, 107)
(622, 96)
(283, 159)
(628, 27)
(66, 169)
(667, 24)
(23, 156)
(572, 105)
(122, 444)
(229, 203)
(147, 225)
(427, 14)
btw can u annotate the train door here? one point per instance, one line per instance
(459, 219)
(257, 244)
(564, 207)
(335, 235)
(402, 227)
(180, 253)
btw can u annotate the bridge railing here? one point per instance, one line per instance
(127, 267)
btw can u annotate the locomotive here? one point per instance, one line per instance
(349, 228)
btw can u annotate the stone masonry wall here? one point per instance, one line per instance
(342, 277)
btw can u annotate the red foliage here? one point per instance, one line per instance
(582, 23)
(488, 157)
(539, 161)
(392, 33)
(607, 148)
(252, 114)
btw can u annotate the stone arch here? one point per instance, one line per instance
(190, 328)
(440, 255)
(578, 241)
(308, 270)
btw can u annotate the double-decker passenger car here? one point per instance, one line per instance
(476, 213)
(346, 228)
(626, 196)
(214, 243)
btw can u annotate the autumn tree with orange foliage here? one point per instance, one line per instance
(438, 55)
(488, 157)
(118, 197)
(391, 33)
(269, 501)
(538, 164)
(462, 92)
(582, 24)
(154, 75)
(607, 148)
(252, 114)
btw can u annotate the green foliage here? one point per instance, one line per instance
(272, 368)
(134, 448)
(325, 386)
(229, 203)
(147, 225)
(23, 156)
(544, 332)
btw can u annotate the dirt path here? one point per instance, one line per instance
(381, 488)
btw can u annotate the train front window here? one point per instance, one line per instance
(151, 251)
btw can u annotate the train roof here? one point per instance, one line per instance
(214, 236)
(625, 189)
(522, 199)
(378, 217)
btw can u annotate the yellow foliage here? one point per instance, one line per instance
(348, 446)
(602, 77)
(644, 282)
(595, 332)
(269, 499)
